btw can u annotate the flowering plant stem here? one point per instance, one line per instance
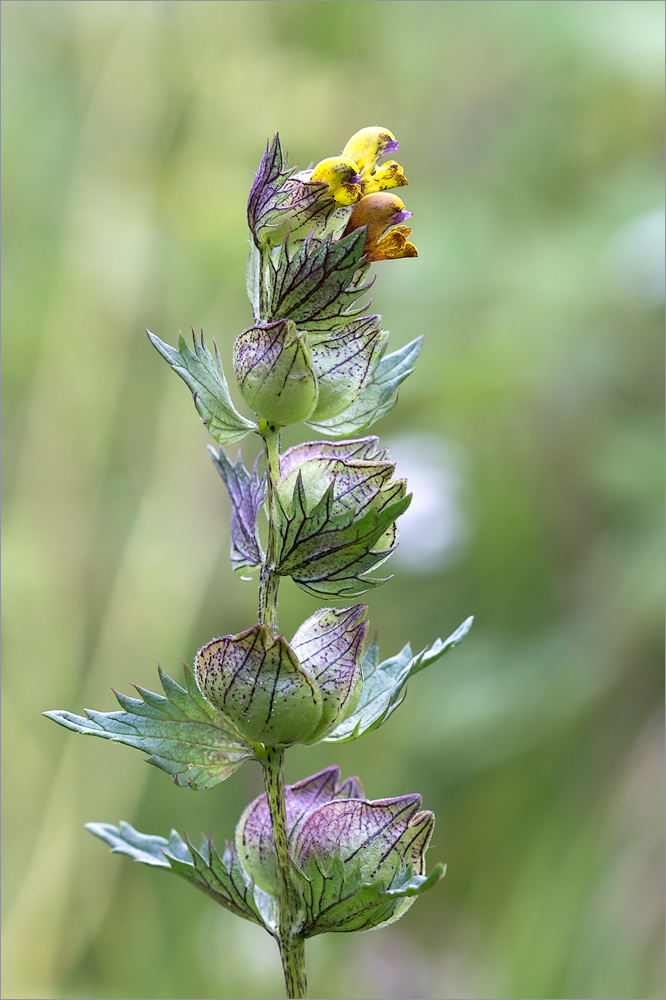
(269, 580)
(291, 943)
(317, 856)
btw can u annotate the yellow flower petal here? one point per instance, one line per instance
(389, 175)
(342, 176)
(393, 246)
(368, 144)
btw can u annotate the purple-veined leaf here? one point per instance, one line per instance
(277, 198)
(310, 279)
(330, 554)
(247, 493)
(336, 897)
(376, 843)
(337, 508)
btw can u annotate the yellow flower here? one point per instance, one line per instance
(368, 144)
(355, 181)
(380, 212)
(387, 176)
(365, 148)
(343, 179)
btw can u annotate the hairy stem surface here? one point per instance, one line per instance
(292, 944)
(269, 581)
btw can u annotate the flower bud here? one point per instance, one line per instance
(273, 366)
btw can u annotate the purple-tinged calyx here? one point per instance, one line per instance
(358, 863)
(254, 834)
(278, 693)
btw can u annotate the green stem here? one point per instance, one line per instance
(269, 581)
(292, 944)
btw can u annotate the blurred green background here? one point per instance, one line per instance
(531, 431)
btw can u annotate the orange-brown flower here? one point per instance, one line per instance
(380, 212)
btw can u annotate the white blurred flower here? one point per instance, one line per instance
(634, 260)
(434, 529)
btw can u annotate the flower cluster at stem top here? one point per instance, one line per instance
(312, 351)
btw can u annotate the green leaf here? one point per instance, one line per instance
(414, 885)
(204, 376)
(145, 848)
(253, 278)
(378, 398)
(222, 878)
(182, 733)
(384, 683)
